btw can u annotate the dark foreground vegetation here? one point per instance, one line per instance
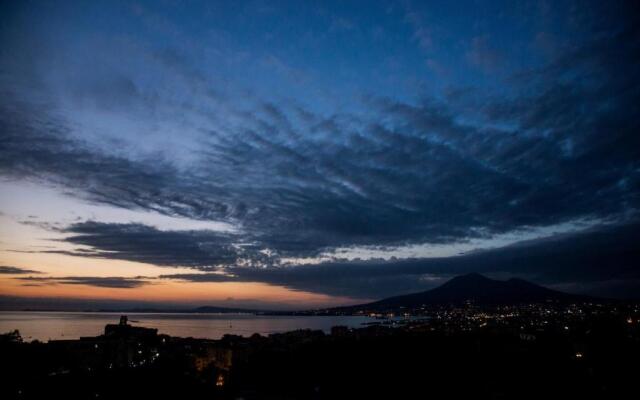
(578, 352)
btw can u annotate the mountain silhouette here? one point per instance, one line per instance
(479, 290)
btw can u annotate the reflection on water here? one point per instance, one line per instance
(72, 325)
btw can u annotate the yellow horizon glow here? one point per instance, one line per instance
(25, 245)
(175, 291)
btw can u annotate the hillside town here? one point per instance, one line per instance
(587, 349)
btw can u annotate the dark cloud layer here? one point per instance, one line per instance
(578, 261)
(413, 173)
(136, 242)
(117, 282)
(4, 269)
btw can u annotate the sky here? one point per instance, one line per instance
(287, 155)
